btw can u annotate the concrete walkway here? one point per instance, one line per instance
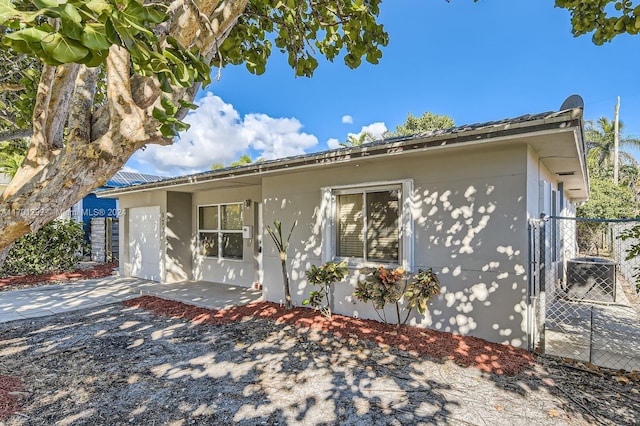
(54, 299)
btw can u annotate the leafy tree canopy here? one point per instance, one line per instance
(428, 122)
(608, 200)
(150, 58)
(604, 18)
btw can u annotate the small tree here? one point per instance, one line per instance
(324, 275)
(428, 122)
(384, 286)
(633, 251)
(607, 201)
(282, 245)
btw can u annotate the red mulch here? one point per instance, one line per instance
(465, 351)
(99, 271)
(10, 388)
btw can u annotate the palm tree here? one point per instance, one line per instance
(354, 140)
(600, 145)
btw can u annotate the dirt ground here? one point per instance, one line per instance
(127, 365)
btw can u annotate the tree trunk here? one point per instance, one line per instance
(58, 171)
(285, 277)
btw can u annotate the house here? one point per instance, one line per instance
(105, 210)
(457, 200)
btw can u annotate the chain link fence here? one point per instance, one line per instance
(583, 294)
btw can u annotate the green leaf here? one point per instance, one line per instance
(45, 4)
(167, 130)
(28, 35)
(139, 28)
(63, 49)
(99, 6)
(111, 33)
(95, 58)
(181, 126)
(159, 114)
(165, 84)
(6, 11)
(72, 29)
(138, 13)
(71, 13)
(189, 105)
(126, 36)
(94, 37)
(168, 105)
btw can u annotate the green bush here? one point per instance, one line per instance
(383, 286)
(56, 247)
(323, 276)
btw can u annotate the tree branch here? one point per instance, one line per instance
(11, 87)
(62, 89)
(15, 134)
(79, 123)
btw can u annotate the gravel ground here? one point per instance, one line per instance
(119, 365)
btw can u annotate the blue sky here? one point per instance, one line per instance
(475, 62)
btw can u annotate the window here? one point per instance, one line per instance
(220, 231)
(369, 224)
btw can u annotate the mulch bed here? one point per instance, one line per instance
(465, 351)
(23, 281)
(11, 391)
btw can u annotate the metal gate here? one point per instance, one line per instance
(582, 293)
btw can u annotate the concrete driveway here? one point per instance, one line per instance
(54, 299)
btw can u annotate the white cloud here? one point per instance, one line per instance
(347, 119)
(218, 135)
(374, 129)
(333, 143)
(276, 137)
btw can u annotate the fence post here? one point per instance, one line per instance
(108, 239)
(542, 283)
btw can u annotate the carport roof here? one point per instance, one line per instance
(568, 160)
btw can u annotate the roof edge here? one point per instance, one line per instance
(475, 133)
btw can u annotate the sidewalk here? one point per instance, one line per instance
(54, 299)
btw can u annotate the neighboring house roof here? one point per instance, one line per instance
(568, 160)
(124, 179)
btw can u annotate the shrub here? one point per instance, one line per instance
(324, 275)
(633, 251)
(56, 247)
(384, 286)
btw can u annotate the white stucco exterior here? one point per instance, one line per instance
(466, 207)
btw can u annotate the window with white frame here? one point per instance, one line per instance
(369, 224)
(220, 231)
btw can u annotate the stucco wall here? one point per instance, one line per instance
(228, 271)
(470, 220)
(180, 245)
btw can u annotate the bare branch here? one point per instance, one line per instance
(15, 134)
(11, 87)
